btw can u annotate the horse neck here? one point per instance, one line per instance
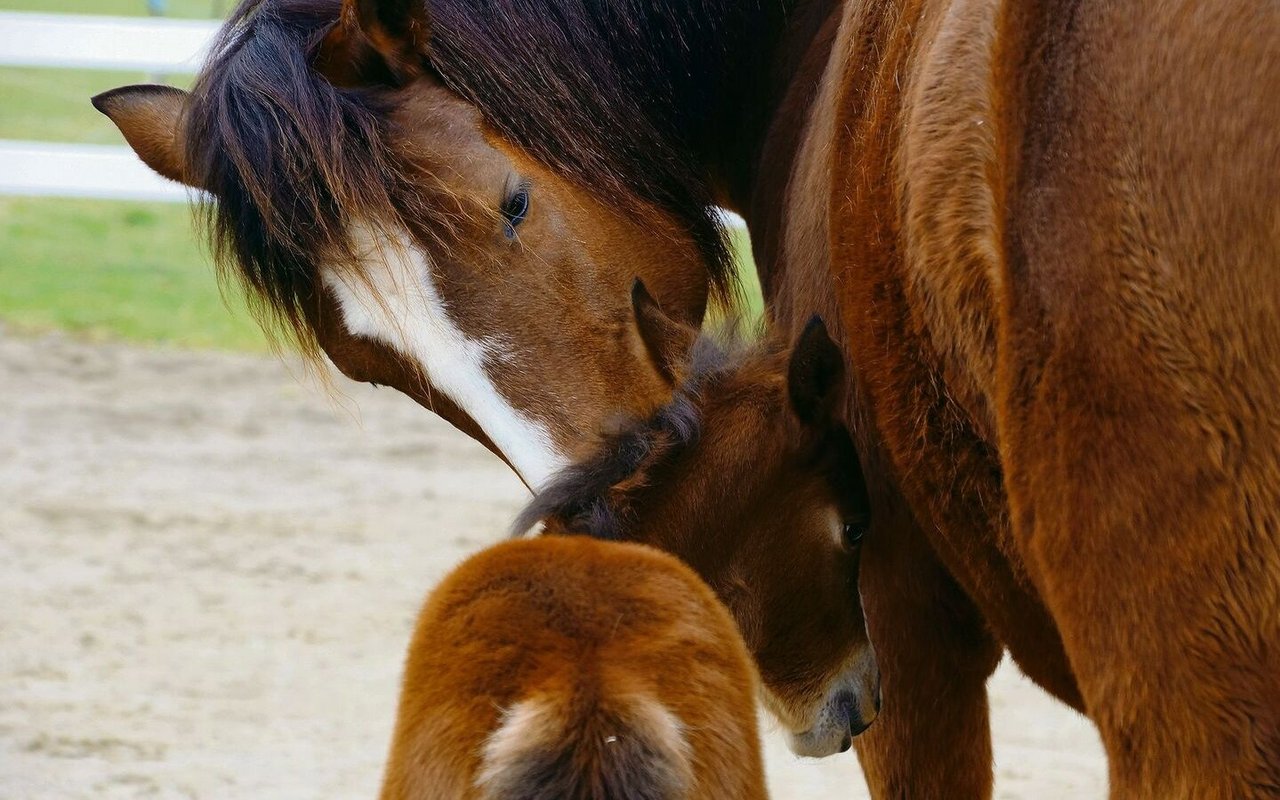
(876, 38)
(759, 132)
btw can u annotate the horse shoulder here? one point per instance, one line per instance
(901, 165)
(800, 278)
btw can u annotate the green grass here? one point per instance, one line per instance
(198, 9)
(52, 105)
(103, 269)
(115, 270)
(751, 297)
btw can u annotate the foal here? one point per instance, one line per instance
(569, 667)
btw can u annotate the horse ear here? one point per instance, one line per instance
(815, 374)
(375, 41)
(667, 341)
(150, 117)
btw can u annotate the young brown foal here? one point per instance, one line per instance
(570, 667)
(567, 668)
(747, 476)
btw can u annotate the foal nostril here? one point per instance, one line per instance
(851, 711)
(847, 706)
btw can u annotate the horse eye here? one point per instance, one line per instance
(854, 530)
(514, 209)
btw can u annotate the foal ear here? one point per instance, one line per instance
(667, 341)
(815, 374)
(150, 117)
(376, 41)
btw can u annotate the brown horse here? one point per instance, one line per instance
(567, 668)
(418, 247)
(1045, 233)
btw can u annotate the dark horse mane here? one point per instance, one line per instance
(584, 85)
(592, 496)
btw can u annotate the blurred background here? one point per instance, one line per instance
(211, 556)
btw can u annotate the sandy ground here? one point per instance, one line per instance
(209, 567)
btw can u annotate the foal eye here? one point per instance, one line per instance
(854, 530)
(514, 209)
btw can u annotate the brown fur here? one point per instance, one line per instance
(571, 668)
(1069, 305)
(747, 477)
(1045, 233)
(159, 146)
(567, 668)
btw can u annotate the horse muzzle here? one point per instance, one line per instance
(850, 707)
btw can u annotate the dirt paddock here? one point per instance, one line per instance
(209, 566)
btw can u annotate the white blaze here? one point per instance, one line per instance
(392, 298)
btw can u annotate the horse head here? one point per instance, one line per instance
(381, 218)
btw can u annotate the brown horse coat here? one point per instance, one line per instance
(571, 668)
(1050, 232)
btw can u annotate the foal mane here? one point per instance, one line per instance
(590, 497)
(289, 156)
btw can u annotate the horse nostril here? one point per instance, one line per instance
(879, 697)
(847, 706)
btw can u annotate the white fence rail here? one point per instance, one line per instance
(141, 44)
(44, 169)
(145, 44)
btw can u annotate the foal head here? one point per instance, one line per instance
(382, 218)
(748, 476)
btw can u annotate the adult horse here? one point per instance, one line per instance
(1049, 232)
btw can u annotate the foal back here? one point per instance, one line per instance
(575, 669)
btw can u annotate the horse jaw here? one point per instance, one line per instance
(391, 297)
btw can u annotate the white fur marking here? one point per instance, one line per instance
(534, 724)
(396, 302)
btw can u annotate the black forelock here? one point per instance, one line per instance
(288, 156)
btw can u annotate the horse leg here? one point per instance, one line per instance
(933, 737)
(1161, 573)
(1168, 604)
